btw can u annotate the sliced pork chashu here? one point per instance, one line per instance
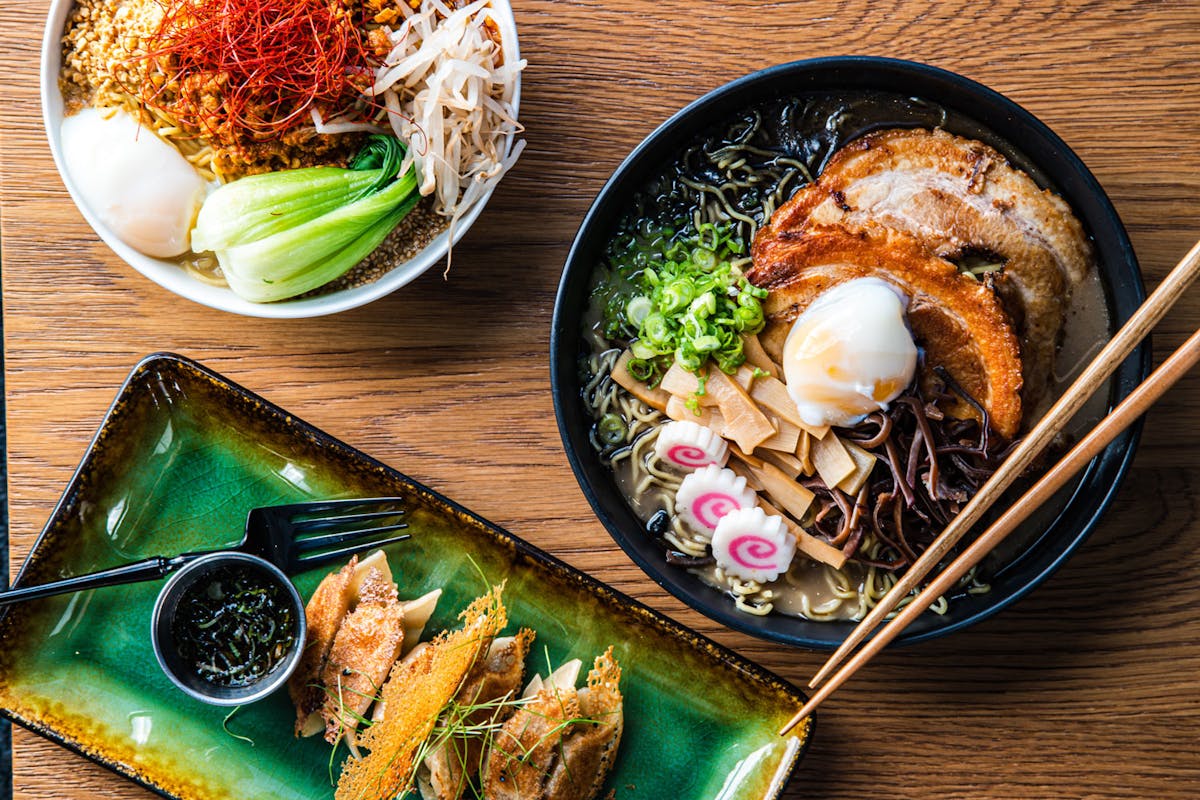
(958, 197)
(956, 318)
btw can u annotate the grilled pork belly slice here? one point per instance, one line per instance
(561, 743)
(956, 318)
(959, 198)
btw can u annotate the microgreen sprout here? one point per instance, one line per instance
(225, 726)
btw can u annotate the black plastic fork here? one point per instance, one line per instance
(294, 538)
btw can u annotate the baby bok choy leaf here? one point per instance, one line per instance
(281, 234)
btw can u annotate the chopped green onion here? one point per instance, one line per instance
(656, 330)
(688, 359)
(745, 318)
(677, 297)
(611, 429)
(704, 259)
(640, 368)
(641, 350)
(638, 308)
(704, 306)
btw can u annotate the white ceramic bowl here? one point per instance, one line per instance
(172, 277)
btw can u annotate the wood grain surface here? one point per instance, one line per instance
(1088, 688)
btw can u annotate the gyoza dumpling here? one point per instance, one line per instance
(561, 743)
(364, 641)
(456, 762)
(324, 613)
(366, 646)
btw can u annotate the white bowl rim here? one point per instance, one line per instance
(171, 277)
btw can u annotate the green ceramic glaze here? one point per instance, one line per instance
(180, 459)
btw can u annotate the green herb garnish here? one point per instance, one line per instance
(225, 726)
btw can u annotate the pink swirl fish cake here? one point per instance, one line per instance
(753, 546)
(708, 494)
(687, 445)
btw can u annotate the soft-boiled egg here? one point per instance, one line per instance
(139, 186)
(849, 353)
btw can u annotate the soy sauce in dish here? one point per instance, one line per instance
(234, 626)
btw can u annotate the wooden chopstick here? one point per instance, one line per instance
(1174, 368)
(1094, 375)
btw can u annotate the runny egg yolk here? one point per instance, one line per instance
(850, 353)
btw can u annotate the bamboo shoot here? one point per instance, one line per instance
(772, 394)
(744, 422)
(804, 454)
(709, 417)
(741, 469)
(757, 356)
(832, 461)
(683, 384)
(864, 464)
(656, 398)
(794, 498)
(786, 438)
(790, 465)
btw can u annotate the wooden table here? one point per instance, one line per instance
(1088, 688)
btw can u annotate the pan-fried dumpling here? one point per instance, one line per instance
(366, 646)
(561, 743)
(456, 762)
(324, 613)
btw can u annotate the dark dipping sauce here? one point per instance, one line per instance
(234, 626)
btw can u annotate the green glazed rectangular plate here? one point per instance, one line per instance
(181, 457)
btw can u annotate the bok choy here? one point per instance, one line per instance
(281, 234)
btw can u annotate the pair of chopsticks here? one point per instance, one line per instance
(1120, 418)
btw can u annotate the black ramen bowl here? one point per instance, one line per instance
(974, 111)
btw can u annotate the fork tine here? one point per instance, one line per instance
(327, 523)
(323, 506)
(316, 559)
(311, 543)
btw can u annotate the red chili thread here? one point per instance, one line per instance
(255, 68)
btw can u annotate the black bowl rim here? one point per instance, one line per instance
(1111, 465)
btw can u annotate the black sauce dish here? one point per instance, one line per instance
(976, 112)
(228, 629)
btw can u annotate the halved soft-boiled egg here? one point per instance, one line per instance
(850, 353)
(139, 186)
